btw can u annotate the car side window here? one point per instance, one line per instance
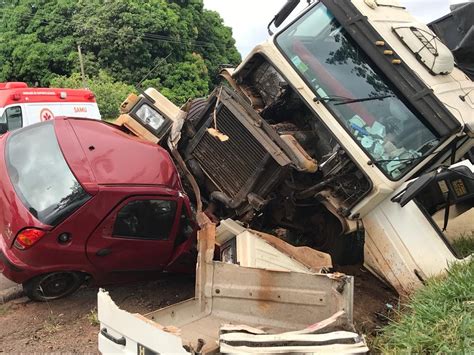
(145, 219)
(13, 117)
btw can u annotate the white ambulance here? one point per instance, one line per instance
(21, 105)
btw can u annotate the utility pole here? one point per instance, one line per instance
(83, 74)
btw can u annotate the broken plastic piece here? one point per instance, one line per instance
(215, 133)
(334, 334)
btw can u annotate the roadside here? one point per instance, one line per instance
(71, 325)
(438, 319)
(9, 290)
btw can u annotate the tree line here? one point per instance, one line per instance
(121, 41)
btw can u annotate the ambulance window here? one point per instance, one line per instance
(13, 117)
(145, 219)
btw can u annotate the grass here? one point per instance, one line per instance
(4, 308)
(438, 319)
(93, 317)
(53, 323)
(464, 245)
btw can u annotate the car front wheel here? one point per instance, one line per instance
(52, 286)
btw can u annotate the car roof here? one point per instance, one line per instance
(115, 157)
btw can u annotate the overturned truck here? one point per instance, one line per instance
(317, 131)
(347, 132)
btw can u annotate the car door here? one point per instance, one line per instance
(185, 252)
(138, 235)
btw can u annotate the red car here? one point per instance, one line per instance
(80, 199)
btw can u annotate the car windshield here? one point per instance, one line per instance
(40, 175)
(344, 78)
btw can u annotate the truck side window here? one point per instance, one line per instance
(145, 219)
(13, 117)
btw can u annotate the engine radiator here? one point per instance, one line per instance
(248, 162)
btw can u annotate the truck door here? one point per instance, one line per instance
(404, 241)
(138, 235)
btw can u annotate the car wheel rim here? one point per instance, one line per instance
(56, 285)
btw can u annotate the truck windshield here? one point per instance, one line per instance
(356, 92)
(40, 175)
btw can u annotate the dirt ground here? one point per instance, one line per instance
(70, 324)
(373, 301)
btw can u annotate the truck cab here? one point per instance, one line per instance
(313, 135)
(21, 106)
(375, 102)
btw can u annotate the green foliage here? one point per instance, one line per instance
(464, 244)
(124, 38)
(36, 41)
(184, 80)
(439, 318)
(93, 317)
(109, 93)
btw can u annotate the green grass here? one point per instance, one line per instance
(4, 308)
(93, 317)
(438, 318)
(464, 245)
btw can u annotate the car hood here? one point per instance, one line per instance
(108, 156)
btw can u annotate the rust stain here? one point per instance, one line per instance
(265, 292)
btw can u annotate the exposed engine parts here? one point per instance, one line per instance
(261, 155)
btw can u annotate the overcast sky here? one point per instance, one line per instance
(249, 18)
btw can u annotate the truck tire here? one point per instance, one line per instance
(195, 110)
(54, 285)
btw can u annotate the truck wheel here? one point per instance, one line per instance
(192, 123)
(197, 105)
(52, 286)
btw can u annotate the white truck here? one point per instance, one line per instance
(349, 131)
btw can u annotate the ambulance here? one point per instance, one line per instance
(22, 106)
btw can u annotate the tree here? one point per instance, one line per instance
(183, 80)
(109, 93)
(35, 41)
(122, 38)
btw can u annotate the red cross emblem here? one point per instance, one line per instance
(46, 115)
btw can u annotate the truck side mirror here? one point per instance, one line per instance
(454, 185)
(414, 188)
(284, 12)
(3, 128)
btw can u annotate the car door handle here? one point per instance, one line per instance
(103, 252)
(119, 341)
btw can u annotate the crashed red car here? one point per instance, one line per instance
(81, 200)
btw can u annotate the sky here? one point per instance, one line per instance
(249, 18)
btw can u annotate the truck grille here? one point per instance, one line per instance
(230, 164)
(236, 165)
